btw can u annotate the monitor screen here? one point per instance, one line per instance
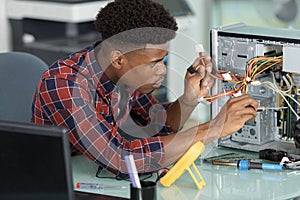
(34, 162)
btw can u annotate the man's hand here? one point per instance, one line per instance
(230, 119)
(199, 83)
(234, 114)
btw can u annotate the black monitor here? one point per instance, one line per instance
(34, 162)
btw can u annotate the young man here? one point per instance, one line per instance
(102, 94)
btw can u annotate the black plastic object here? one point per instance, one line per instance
(297, 134)
(147, 192)
(272, 155)
(191, 69)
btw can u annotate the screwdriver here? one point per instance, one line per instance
(263, 108)
(246, 165)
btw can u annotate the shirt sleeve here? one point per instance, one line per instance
(67, 102)
(149, 113)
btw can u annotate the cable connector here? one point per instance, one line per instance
(202, 100)
(226, 76)
(256, 83)
(199, 48)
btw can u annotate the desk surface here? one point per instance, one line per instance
(222, 182)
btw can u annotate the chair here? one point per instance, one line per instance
(19, 75)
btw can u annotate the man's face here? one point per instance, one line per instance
(145, 69)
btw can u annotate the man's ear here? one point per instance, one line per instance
(117, 59)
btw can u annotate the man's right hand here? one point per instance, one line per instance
(230, 119)
(234, 114)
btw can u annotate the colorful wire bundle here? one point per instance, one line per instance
(254, 67)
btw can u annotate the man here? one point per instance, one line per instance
(102, 94)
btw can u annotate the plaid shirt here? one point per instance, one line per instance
(75, 93)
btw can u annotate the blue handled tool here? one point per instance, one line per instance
(246, 165)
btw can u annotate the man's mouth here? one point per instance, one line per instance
(158, 83)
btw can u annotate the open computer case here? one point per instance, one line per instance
(263, 63)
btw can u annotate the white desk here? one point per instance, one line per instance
(222, 182)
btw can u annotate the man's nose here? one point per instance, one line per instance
(161, 69)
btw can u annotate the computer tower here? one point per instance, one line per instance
(234, 48)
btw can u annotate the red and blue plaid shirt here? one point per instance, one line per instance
(75, 93)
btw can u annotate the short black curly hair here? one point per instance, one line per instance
(143, 21)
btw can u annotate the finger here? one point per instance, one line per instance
(244, 99)
(208, 78)
(251, 103)
(202, 71)
(195, 79)
(244, 102)
(247, 111)
(200, 61)
(207, 60)
(246, 118)
(197, 62)
(208, 68)
(208, 81)
(205, 88)
(208, 84)
(242, 115)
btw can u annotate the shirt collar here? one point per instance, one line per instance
(107, 85)
(98, 75)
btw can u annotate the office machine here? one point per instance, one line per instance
(263, 63)
(52, 29)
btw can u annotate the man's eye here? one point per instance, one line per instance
(153, 64)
